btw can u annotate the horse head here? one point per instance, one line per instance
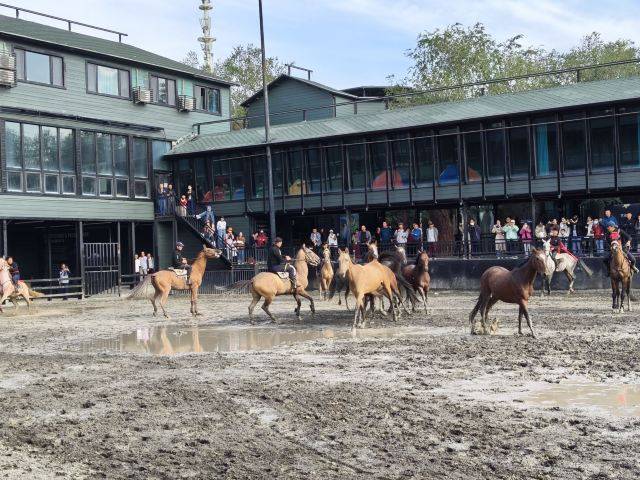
(344, 262)
(422, 258)
(211, 252)
(400, 249)
(326, 252)
(546, 246)
(615, 246)
(309, 256)
(539, 260)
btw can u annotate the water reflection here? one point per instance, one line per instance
(616, 400)
(173, 340)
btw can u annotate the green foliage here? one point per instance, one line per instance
(460, 55)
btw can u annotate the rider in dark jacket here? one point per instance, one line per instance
(179, 262)
(276, 262)
(622, 237)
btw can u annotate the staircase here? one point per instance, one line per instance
(196, 227)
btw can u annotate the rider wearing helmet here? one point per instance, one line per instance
(557, 246)
(624, 239)
(276, 262)
(180, 262)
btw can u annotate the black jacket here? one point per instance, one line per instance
(275, 258)
(177, 259)
(624, 237)
(627, 226)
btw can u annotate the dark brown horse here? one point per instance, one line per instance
(620, 273)
(515, 286)
(417, 274)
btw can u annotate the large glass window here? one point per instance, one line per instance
(140, 154)
(519, 151)
(333, 169)
(573, 143)
(313, 173)
(295, 177)
(423, 151)
(629, 140)
(448, 158)
(39, 67)
(400, 156)
(104, 154)
(158, 149)
(277, 162)
(221, 187)
(207, 99)
(546, 146)
(164, 90)
(601, 137)
(203, 192)
(495, 151)
(39, 152)
(356, 169)
(236, 178)
(473, 154)
(108, 80)
(120, 156)
(378, 165)
(88, 151)
(259, 185)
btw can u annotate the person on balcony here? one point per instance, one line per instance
(221, 230)
(207, 215)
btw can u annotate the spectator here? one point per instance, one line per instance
(564, 231)
(261, 239)
(316, 239)
(208, 232)
(576, 240)
(540, 233)
(598, 235)
(474, 235)
(144, 264)
(364, 236)
(401, 235)
(588, 235)
(182, 206)
(221, 229)
(136, 267)
(511, 236)
(229, 240)
(332, 241)
(416, 234)
(191, 201)
(386, 234)
(151, 262)
(627, 224)
(432, 238)
(240, 243)
(458, 239)
(63, 276)
(608, 220)
(525, 238)
(207, 215)
(171, 199)
(378, 234)
(498, 232)
(161, 201)
(552, 225)
(636, 233)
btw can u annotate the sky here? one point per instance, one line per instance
(346, 42)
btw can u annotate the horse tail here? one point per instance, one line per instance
(238, 286)
(34, 294)
(584, 266)
(336, 285)
(144, 289)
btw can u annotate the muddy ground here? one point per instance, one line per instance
(434, 403)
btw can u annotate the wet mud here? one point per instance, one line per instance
(104, 390)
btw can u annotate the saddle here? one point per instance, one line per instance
(282, 275)
(181, 272)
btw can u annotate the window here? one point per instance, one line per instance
(574, 148)
(296, 184)
(519, 151)
(164, 90)
(221, 189)
(36, 156)
(400, 157)
(258, 176)
(333, 169)
(495, 151)
(39, 67)
(314, 173)
(104, 156)
(473, 154)
(356, 169)
(141, 167)
(277, 161)
(601, 133)
(108, 80)
(448, 158)
(546, 146)
(378, 165)
(423, 149)
(158, 149)
(629, 140)
(207, 99)
(203, 193)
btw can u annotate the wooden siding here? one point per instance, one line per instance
(74, 100)
(72, 208)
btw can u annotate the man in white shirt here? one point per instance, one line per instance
(144, 264)
(136, 266)
(316, 239)
(401, 235)
(221, 230)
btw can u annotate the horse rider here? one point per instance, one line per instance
(14, 270)
(557, 246)
(180, 263)
(614, 233)
(276, 262)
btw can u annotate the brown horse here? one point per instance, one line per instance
(515, 286)
(417, 274)
(372, 279)
(620, 273)
(268, 285)
(11, 292)
(326, 272)
(166, 280)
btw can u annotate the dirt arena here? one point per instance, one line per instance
(100, 389)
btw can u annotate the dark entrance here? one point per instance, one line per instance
(101, 268)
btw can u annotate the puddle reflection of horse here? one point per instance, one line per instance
(515, 286)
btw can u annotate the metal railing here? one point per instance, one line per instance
(53, 288)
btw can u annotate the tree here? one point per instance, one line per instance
(459, 55)
(243, 66)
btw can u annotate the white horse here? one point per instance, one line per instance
(564, 263)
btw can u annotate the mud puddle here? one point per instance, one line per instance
(176, 339)
(615, 400)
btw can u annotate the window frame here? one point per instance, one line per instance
(40, 52)
(155, 93)
(195, 97)
(106, 65)
(113, 177)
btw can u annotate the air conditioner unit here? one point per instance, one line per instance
(7, 70)
(186, 103)
(142, 95)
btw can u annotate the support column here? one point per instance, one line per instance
(348, 239)
(466, 247)
(133, 247)
(533, 213)
(5, 243)
(49, 259)
(119, 254)
(82, 259)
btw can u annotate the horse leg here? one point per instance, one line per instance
(390, 294)
(487, 308)
(520, 314)
(627, 288)
(163, 302)
(154, 299)
(346, 297)
(614, 294)
(194, 302)
(358, 308)
(296, 297)
(265, 307)
(474, 312)
(571, 279)
(252, 306)
(526, 315)
(312, 305)
(423, 294)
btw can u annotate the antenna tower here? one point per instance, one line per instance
(206, 40)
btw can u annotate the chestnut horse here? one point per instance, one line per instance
(372, 279)
(9, 291)
(515, 286)
(620, 273)
(166, 280)
(326, 272)
(417, 274)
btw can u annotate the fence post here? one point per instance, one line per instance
(4, 238)
(119, 258)
(82, 257)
